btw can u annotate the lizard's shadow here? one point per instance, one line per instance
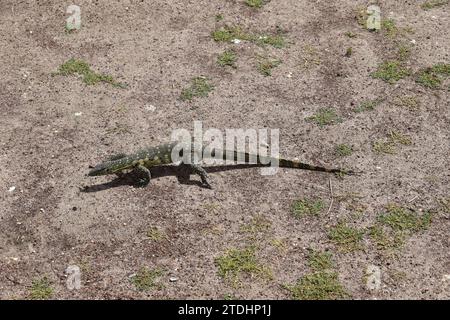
(182, 174)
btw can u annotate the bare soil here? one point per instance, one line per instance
(48, 222)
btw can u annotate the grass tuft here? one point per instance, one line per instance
(82, 68)
(322, 283)
(227, 58)
(343, 150)
(431, 4)
(347, 238)
(391, 72)
(235, 262)
(199, 87)
(324, 117)
(265, 65)
(307, 207)
(41, 289)
(146, 279)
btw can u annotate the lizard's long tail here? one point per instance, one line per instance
(283, 163)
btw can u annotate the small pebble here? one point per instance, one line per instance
(11, 189)
(173, 279)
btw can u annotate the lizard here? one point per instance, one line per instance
(141, 161)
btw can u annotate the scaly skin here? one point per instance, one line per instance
(142, 160)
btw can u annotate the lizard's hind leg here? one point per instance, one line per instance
(143, 174)
(195, 168)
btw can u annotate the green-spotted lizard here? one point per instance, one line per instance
(141, 161)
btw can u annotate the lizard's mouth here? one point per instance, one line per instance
(97, 171)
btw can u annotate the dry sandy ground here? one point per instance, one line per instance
(156, 47)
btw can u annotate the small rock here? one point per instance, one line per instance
(446, 277)
(236, 41)
(150, 107)
(173, 279)
(11, 189)
(77, 114)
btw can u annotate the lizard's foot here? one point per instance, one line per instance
(195, 168)
(144, 176)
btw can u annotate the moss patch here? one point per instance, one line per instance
(319, 260)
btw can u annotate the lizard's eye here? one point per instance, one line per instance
(181, 153)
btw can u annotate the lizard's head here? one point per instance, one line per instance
(99, 170)
(109, 167)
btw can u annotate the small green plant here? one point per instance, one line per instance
(409, 102)
(227, 58)
(237, 261)
(402, 219)
(368, 105)
(307, 207)
(350, 34)
(403, 52)
(146, 279)
(349, 52)
(386, 241)
(259, 224)
(255, 3)
(431, 4)
(219, 17)
(432, 77)
(41, 289)
(199, 87)
(388, 145)
(310, 57)
(391, 72)
(346, 238)
(155, 234)
(80, 67)
(265, 65)
(319, 285)
(319, 261)
(322, 283)
(276, 41)
(324, 117)
(389, 27)
(343, 150)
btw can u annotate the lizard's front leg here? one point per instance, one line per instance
(144, 175)
(195, 168)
